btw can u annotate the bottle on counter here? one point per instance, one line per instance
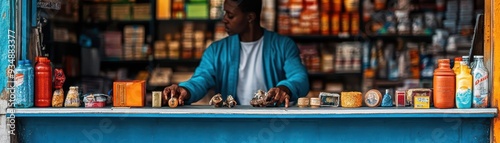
(20, 83)
(463, 96)
(466, 60)
(456, 65)
(473, 62)
(31, 82)
(43, 83)
(387, 99)
(444, 85)
(480, 87)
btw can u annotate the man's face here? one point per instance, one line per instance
(235, 21)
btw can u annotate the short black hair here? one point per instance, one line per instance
(250, 6)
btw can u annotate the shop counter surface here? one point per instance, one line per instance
(256, 112)
(250, 124)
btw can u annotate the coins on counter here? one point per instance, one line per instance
(373, 98)
(173, 102)
(315, 102)
(303, 102)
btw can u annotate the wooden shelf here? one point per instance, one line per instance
(122, 61)
(337, 74)
(332, 38)
(188, 20)
(415, 38)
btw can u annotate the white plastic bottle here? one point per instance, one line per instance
(480, 84)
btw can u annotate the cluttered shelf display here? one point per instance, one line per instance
(340, 41)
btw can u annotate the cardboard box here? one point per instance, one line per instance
(129, 93)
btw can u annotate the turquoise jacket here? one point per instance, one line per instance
(219, 66)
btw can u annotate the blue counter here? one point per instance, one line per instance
(249, 124)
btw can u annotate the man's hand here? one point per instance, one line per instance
(279, 95)
(174, 91)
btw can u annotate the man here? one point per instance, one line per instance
(249, 59)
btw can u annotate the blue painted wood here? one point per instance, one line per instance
(298, 116)
(5, 16)
(25, 24)
(220, 130)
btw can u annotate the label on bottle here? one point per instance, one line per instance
(464, 96)
(480, 88)
(18, 79)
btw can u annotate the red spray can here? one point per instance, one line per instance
(43, 83)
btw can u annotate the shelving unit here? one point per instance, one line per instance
(155, 30)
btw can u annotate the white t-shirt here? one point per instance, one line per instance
(251, 72)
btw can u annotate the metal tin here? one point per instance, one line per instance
(303, 102)
(351, 99)
(373, 98)
(156, 96)
(400, 98)
(421, 101)
(315, 102)
(329, 99)
(410, 93)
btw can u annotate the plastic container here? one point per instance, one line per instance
(444, 85)
(456, 65)
(31, 82)
(480, 86)
(463, 98)
(43, 83)
(20, 84)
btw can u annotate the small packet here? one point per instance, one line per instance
(72, 98)
(95, 100)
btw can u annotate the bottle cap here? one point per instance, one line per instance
(458, 58)
(20, 62)
(465, 57)
(27, 62)
(478, 56)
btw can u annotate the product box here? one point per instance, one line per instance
(156, 96)
(129, 93)
(329, 99)
(411, 93)
(400, 98)
(421, 101)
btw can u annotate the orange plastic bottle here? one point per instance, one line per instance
(43, 83)
(444, 85)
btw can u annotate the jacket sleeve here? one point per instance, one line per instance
(296, 74)
(203, 77)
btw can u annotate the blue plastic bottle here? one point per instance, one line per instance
(387, 99)
(20, 85)
(31, 83)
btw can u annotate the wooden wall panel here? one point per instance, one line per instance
(492, 34)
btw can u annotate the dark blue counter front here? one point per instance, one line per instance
(248, 124)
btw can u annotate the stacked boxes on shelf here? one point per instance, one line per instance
(160, 51)
(121, 12)
(163, 9)
(95, 12)
(113, 44)
(268, 14)
(187, 40)
(335, 17)
(216, 11)
(197, 9)
(346, 58)
(134, 38)
(141, 11)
